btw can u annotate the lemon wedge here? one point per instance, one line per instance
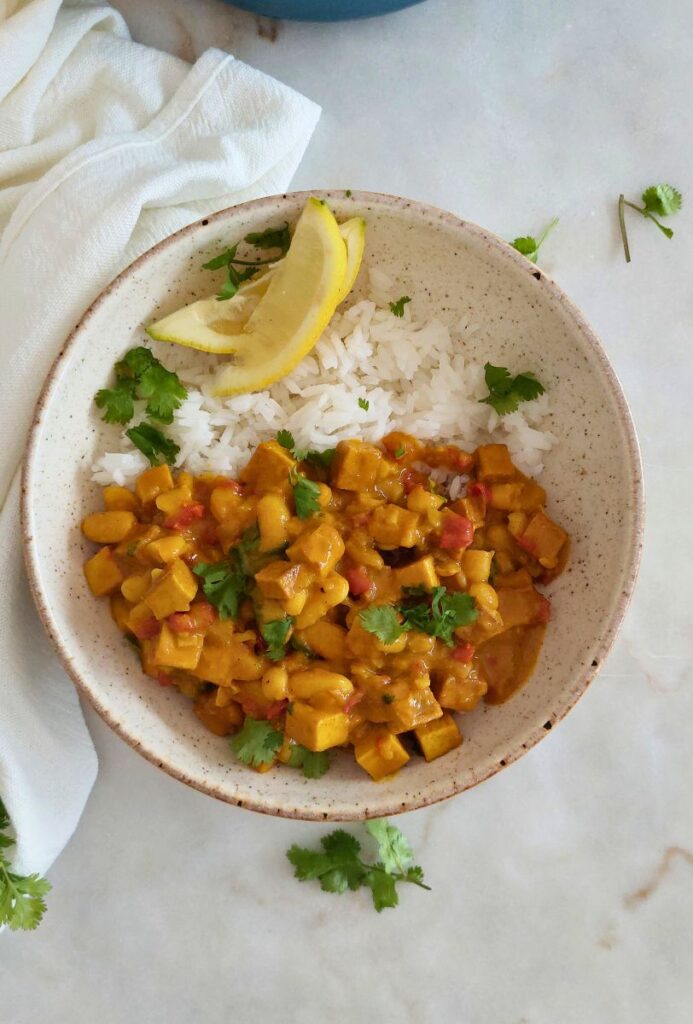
(354, 234)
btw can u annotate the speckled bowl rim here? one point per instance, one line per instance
(380, 805)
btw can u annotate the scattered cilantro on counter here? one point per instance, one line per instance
(658, 201)
(529, 246)
(21, 896)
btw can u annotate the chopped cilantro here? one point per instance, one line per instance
(314, 764)
(140, 375)
(530, 246)
(662, 200)
(398, 452)
(398, 307)
(275, 634)
(383, 621)
(348, 193)
(225, 584)
(272, 238)
(306, 495)
(22, 903)
(256, 743)
(506, 392)
(439, 614)
(364, 404)
(152, 443)
(117, 402)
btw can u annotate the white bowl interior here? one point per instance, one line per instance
(592, 477)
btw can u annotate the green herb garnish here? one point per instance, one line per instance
(323, 460)
(151, 442)
(398, 307)
(383, 621)
(275, 635)
(399, 452)
(658, 201)
(256, 743)
(22, 903)
(306, 495)
(439, 614)
(364, 404)
(338, 865)
(140, 375)
(225, 584)
(506, 392)
(530, 246)
(272, 238)
(314, 764)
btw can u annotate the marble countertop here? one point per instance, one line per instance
(563, 887)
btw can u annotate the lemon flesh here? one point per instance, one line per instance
(354, 234)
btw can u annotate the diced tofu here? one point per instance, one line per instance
(522, 606)
(269, 467)
(494, 463)
(214, 665)
(273, 518)
(421, 573)
(103, 573)
(457, 691)
(120, 610)
(178, 650)
(119, 499)
(325, 638)
(173, 591)
(108, 527)
(476, 565)
(380, 753)
(321, 549)
(544, 539)
(142, 622)
(279, 580)
(164, 550)
(518, 579)
(221, 720)
(507, 496)
(472, 507)
(308, 683)
(533, 495)
(315, 728)
(355, 466)
(393, 527)
(152, 482)
(224, 503)
(417, 708)
(439, 737)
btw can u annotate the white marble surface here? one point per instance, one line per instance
(562, 888)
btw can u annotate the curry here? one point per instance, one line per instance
(337, 596)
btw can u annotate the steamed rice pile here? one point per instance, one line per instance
(413, 374)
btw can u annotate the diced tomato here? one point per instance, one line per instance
(276, 709)
(164, 679)
(146, 629)
(544, 611)
(201, 615)
(464, 653)
(479, 488)
(352, 700)
(457, 532)
(185, 515)
(528, 544)
(359, 580)
(252, 708)
(411, 478)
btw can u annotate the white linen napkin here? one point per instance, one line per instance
(106, 147)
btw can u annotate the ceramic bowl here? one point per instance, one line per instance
(322, 10)
(593, 478)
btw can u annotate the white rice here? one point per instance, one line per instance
(414, 375)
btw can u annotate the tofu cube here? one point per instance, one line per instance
(393, 527)
(164, 550)
(325, 638)
(380, 753)
(103, 573)
(459, 692)
(544, 539)
(279, 580)
(439, 737)
(521, 606)
(177, 650)
(120, 611)
(320, 549)
(507, 496)
(494, 463)
(421, 573)
(316, 728)
(108, 527)
(173, 591)
(356, 466)
(152, 483)
(269, 467)
(417, 708)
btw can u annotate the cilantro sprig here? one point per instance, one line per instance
(224, 584)
(397, 308)
(323, 460)
(438, 613)
(275, 634)
(256, 743)
(313, 763)
(306, 495)
(338, 866)
(658, 201)
(530, 246)
(140, 375)
(22, 903)
(153, 443)
(273, 238)
(506, 392)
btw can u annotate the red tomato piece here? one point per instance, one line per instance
(146, 629)
(185, 515)
(359, 580)
(252, 708)
(457, 532)
(276, 709)
(478, 488)
(201, 615)
(411, 478)
(164, 679)
(464, 653)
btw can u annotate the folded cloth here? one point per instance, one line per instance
(106, 147)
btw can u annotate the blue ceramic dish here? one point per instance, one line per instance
(322, 10)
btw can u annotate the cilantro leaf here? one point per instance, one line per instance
(662, 200)
(275, 634)
(222, 260)
(118, 402)
(302, 647)
(306, 495)
(323, 460)
(164, 391)
(442, 616)
(225, 584)
(135, 363)
(152, 443)
(530, 246)
(338, 866)
(364, 404)
(506, 392)
(398, 307)
(256, 743)
(314, 764)
(271, 238)
(286, 439)
(22, 903)
(382, 620)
